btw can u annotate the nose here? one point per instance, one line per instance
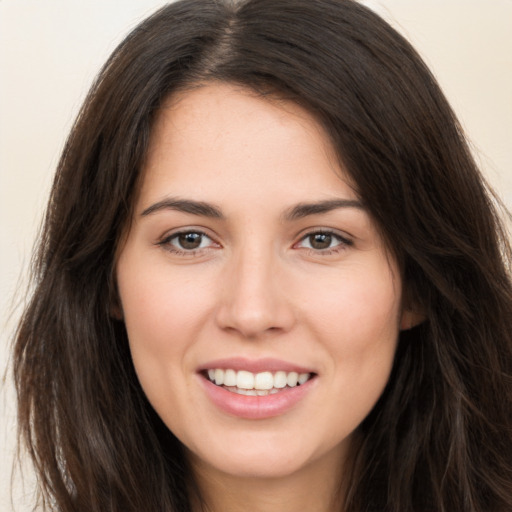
(254, 299)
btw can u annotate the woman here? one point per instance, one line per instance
(270, 277)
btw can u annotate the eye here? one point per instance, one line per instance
(187, 242)
(323, 241)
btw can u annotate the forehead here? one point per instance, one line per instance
(221, 132)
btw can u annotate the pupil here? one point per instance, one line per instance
(190, 240)
(320, 240)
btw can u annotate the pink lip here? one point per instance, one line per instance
(255, 407)
(254, 366)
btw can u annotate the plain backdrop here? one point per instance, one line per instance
(50, 50)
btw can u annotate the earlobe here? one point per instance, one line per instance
(115, 308)
(411, 319)
(116, 312)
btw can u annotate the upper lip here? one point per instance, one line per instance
(254, 365)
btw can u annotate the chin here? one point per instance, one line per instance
(260, 466)
(263, 458)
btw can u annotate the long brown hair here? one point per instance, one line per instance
(440, 438)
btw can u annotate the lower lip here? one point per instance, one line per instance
(256, 407)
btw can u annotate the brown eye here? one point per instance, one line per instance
(189, 241)
(324, 242)
(320, 241)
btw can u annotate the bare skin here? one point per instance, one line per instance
(250, 251)
(316, 487)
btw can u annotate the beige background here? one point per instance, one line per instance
(50, 51)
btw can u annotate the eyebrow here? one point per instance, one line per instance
(204, 209)
(305, 209)
(185, 205)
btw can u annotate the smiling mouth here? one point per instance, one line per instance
(256, 384)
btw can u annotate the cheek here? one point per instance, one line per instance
(162, 314)
(162, 318)
(358, 310)
(358, 322)
(158, 307)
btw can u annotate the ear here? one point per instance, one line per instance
(411, 318)
(116, 311)
(115, 307)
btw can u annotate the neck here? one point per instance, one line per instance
(318, 487)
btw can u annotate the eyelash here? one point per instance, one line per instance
(342, 244)
(167, 244)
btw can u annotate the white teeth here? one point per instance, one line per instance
(252, 392)
(264, 380)
(263, 383)
(230, 378)
(280, 380)
(219, 377)
(244, 380)
(292, 379)
(303, 378)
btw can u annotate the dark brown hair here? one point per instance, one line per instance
(440, 438)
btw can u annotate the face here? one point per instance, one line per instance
(261, 305)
